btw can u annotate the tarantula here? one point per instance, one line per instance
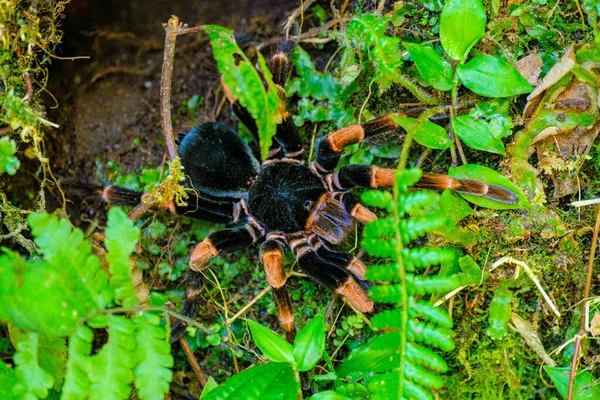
(284, 202)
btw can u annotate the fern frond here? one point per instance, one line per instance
(154, 361)
(33, 381)
(378, 198)
(77, 383)
(425, 356)
(428, 285)
(416, 227)
(111, 370)
(421, 375)
(424, 257)
(121, 237)
(424, 309)
(409, 366)
(63, 247)
(430, 335)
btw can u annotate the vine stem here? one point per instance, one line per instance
(586, 294)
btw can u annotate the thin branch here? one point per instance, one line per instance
(193, 361)
(586, 294)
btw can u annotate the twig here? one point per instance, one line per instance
(586, 294)
(193, 361)
(139, 210)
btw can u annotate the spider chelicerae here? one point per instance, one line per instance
(285, 203)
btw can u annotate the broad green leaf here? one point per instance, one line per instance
(491, 177)
(112, 367)
(476, 134)
(272, 381)
(471, 273)
(211, 384)
(433, 68)
(462, 24)
(246, 83)
(33, 381)
(121, 238)
(8, 377)
(272, 345)
(77, 383)
(8, 162)
(154, 361)
(379, 355)
(585, 386)
(311, 83)
(491, 77)
(329, 395)
(453, 207)
(499, 312)
(425, 132)
(310, 344)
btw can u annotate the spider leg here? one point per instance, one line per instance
(341, 258)
(371, 176)
(223, 242)
(217, 243)
(271, 254)
(330, 275)
(356, 208)
(331, 146)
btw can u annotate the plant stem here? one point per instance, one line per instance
(400, 262)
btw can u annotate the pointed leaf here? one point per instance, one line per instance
(476, 134)
(310, 344)
(433, 68)
(462, 24)
(491, 177)
(585, 386)
(491, 77)
(272, 345)
(272, 381)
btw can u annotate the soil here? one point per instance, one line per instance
(108, 104)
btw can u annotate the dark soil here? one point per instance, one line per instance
(108, 105)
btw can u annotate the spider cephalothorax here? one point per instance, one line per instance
(283, 202)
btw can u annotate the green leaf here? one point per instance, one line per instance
(310, 344)
(211, 384)
(369, 33)
(476, 134)
(246, 83)
(54, 290)
(462, 24)
(471, 273)
(425, 132)
(112, 368)
(154, 361)
(500, 311)
(9, 379)
(272, 345)
(585, 386)
(121, 238)
(433, 68)
(491, 177)
(329, 395)
(8, 162)
(65, 249)
(77, 383)
(34, 382)
(272, 381)
(491, 77)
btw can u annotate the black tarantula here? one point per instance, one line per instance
(285, 203)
